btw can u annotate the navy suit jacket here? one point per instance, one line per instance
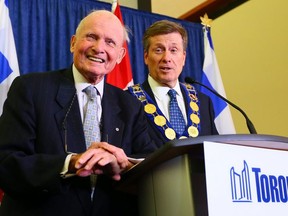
(40, 111)
(207, 116)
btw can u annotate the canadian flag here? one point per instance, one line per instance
(121, 76)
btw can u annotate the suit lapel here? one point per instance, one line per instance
(148, 90)
(68, 118)
(186, 102)
(112, 123)
(70, 126)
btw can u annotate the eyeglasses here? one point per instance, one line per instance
(64, 126)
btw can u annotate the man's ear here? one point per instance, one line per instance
(145, 57)
(72, 43)
(184, 57)
(121, 55)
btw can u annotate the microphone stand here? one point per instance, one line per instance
(249, 124)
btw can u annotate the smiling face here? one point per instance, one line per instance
(97, 45)
(165, 58)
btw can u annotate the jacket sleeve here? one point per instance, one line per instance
(25, 165)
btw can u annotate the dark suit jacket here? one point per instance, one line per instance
(207, 116)
(32, 147)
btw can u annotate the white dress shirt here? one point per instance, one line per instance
(162, 98)
(80, 84)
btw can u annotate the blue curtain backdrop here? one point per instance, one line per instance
(43, 28)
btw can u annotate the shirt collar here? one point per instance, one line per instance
(81, 83)
(161, 91)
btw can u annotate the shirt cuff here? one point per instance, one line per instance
(64, 173)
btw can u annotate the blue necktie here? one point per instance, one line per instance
(91, 122)
(176, 117)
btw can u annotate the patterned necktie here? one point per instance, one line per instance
(91, 122)
(176, 117)
(91, 126)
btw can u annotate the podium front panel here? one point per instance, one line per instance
(166, 189)
(245, 180)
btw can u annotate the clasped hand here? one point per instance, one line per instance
(100, 158)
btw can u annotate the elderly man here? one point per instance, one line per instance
(51, 161)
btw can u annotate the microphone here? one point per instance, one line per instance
(249, 124)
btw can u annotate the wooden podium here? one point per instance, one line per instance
(171, 181)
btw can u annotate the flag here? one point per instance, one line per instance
(212, 78)
(121, 76)
(9, 68)
(8, 58)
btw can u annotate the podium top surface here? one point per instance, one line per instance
(194, 147)
(253, 140)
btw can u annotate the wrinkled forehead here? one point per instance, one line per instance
(104, 20)
(169, 39)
